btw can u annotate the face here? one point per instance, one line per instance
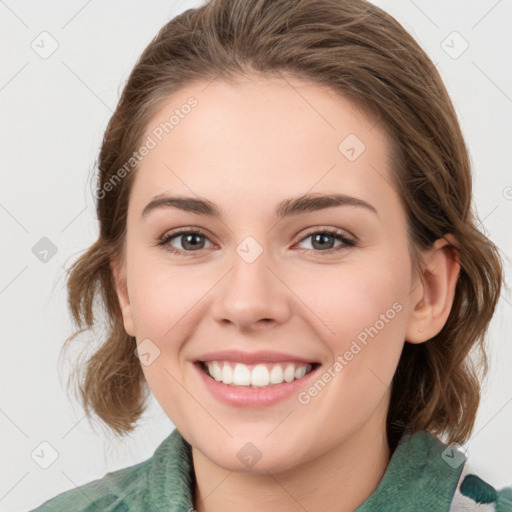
(324, 285)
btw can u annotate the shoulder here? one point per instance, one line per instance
(473, 493)
(109, 493)
(426, 474)
(162, 479)
(470, 492)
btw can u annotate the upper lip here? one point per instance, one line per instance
(252, 357)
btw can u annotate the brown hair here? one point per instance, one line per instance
(365, 55)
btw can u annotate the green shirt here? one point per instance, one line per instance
(422, 475)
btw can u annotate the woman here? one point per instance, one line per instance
(290, 264)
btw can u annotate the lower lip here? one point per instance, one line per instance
(243, 396)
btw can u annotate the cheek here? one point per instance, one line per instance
(350, 297)
(162, 295)
(164, 307)
(362, 308)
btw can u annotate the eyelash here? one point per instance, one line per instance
(339, 235)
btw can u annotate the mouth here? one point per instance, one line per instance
(256, 376)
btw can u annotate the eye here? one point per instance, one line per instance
(193, 240)
(190, 241)
(323, 239)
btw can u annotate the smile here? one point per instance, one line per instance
(263, 394)
(255, 375)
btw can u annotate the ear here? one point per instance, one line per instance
(119, 274)
(432, 298)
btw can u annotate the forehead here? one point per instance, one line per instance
(259, 140)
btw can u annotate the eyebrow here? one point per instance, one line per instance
(286, 208)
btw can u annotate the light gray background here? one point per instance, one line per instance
(54, 112)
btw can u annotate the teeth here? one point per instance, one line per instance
(260, 375)
(276, 375)
(241, 375)
(300, 372)
(227, 374)
(289, 373)
(217, 372)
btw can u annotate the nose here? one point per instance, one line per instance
(252, 295)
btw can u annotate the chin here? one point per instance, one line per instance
(243, 456)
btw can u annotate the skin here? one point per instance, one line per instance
(245, 147)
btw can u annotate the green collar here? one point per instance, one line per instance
(422, 475)
(419, 477)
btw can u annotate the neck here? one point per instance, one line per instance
(339, 480)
